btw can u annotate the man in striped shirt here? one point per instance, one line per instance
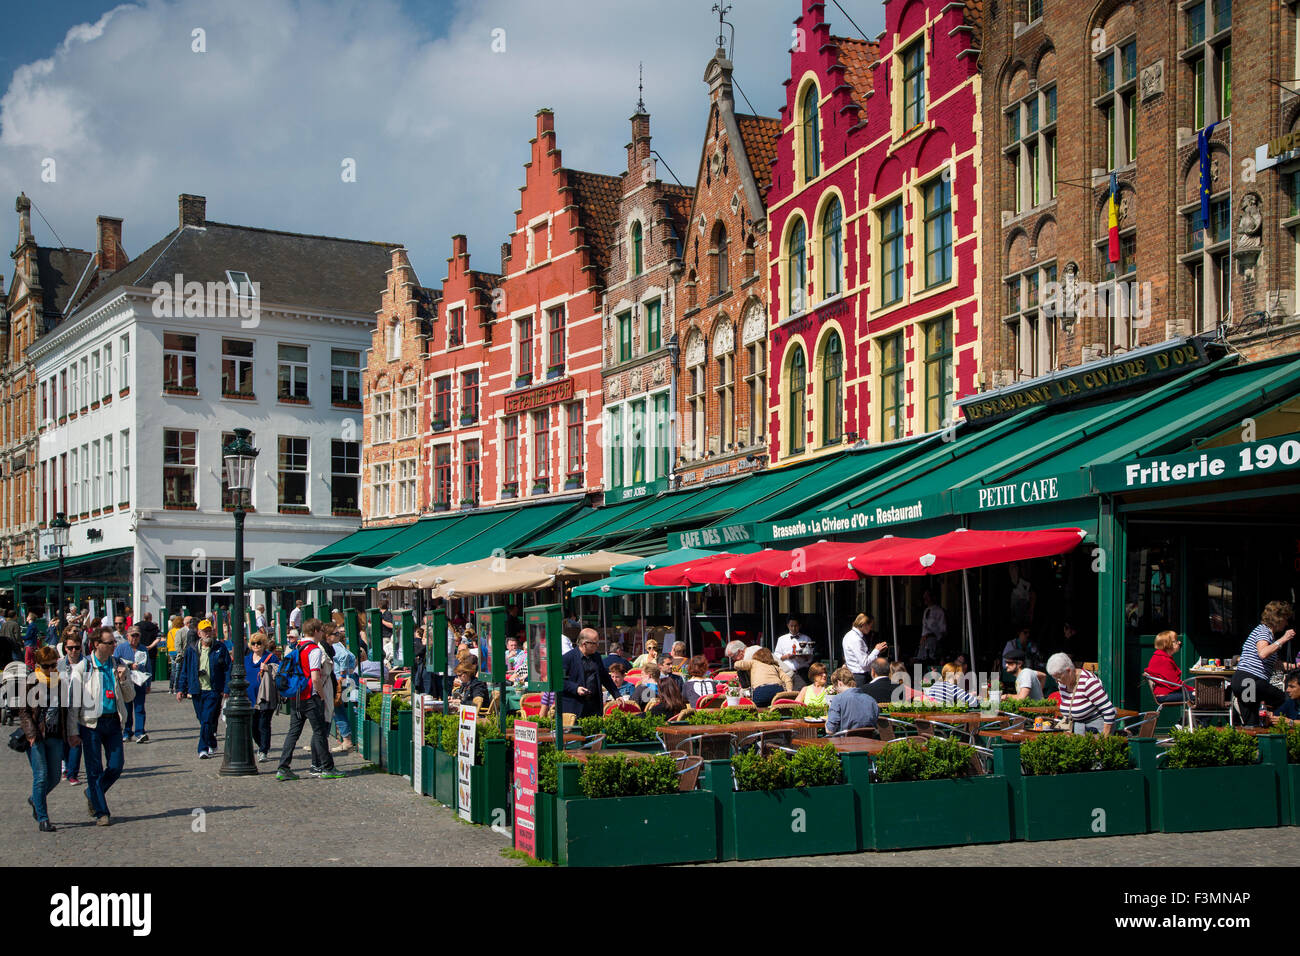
(1083, 698)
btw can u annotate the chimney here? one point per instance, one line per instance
(638, 151)
(23, 206)
(505, 258)
(193, 210)
(108, 246)
(459, 246)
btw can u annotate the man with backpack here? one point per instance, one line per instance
(305, 681)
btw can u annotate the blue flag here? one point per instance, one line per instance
(1203, 146)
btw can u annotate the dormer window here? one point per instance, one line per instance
(240, 284)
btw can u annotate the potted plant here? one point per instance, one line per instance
(555, 371)
(613, 801)
(734, 693)
(468, 503)
(929, 792)
(523, 380)
(573, 481)
(541, 486)
(510, 489)
(1071, 786)
(1291, 730)
(1214, 777)
(467, 420)
(784, 804)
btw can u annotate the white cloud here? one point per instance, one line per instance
(438, 125)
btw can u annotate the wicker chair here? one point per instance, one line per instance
(621, 704)
(711, 702)
(530, 705)
(1212, 699)
(785, 695)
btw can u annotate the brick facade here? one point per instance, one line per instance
(392, 451)
(640, 321)
(1141, 58)
(721, 402)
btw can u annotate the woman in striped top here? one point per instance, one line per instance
(1259, 659)
(948, 691)
(1083, 698)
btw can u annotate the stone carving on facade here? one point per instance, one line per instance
(1250, 222)
(1152, 81)
(735, 203)
(1070, 288)
(701, 224)
(636, 380)
(658, 374)
(724, 339)
(695, 351)
(755, 327)
(613, 388)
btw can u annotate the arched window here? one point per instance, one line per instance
(722, 271)
(833, 390)
(797, 412)
(812, 161)
(832, 249)
(636, 248)
(797, 276)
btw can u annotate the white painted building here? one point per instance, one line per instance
(215, 327)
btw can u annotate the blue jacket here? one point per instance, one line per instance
(187, 681)
(851, 710)
(250, 672)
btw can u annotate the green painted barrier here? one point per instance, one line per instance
(927, 813)
(1213, 798)
(1069, 806)
(669, 828)
(427, 773)
(444, 782)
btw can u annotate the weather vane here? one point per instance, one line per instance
(722, 10)
(640, 87)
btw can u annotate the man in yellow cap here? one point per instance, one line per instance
(204, 676)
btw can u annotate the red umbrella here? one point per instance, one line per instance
(686, 574)
(962, 549)
(811, 564)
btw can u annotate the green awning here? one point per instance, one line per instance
(504, 534)
(29, 572)
(622, 584)
(347, 548)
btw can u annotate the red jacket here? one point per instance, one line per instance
(1162, 665)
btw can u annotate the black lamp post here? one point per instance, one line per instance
(59, 527)
(240, 458)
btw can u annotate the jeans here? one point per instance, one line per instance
(762, 696)
(135, 713)
(71, 759)
(341, 721)
(45, 757)
(1177, 697)
(262, 730)
(207, 708)
(303, 712)
(101, 774)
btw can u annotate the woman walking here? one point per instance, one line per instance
(46, 724)
(72, 655)
(259, 665)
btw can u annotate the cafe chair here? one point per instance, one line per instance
(678, 756)
(494, 702)
(530, 705)
(711, 702)
(622, 704)
(765, 739)
(785, 695)
(937, 728)
(594, 742)
(726, 677)
(1211, 699)
(1139, 725)
(634, 675)
(894, 728)
(981, 761)
(1162, 688)
(715, 746)
(788, 703)
(688, 772)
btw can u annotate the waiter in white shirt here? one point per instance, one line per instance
(934, 628)
(790, 651)
(857, 656)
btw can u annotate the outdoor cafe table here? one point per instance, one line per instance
(844, 745)
(672, 734)
(583, 755)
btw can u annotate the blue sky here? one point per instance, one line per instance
(419, 94)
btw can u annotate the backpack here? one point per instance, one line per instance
(291, 680)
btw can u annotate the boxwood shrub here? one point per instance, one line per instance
(614, 775)
(1074, 753)
(817, 766)
(942, 759)
(1212, 747)
(375, 705)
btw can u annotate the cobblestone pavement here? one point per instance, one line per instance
(367, 818)
(1277, 847)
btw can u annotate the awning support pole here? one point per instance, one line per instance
(726, 593)
(893, 613)
(970, 629)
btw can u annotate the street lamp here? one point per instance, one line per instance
(59, 528)
(240, 457)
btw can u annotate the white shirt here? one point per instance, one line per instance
(857, 655)
(566, 644)
(1028, 678)
(789, 644)
(295, 617)
(934, 621)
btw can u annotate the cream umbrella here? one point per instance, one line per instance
(478, 581)
(598, 563)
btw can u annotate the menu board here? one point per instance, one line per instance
(525, 786)
(466, 740)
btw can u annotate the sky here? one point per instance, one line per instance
(115, 109)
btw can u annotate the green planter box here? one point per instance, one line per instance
(793, 822)
(544, 808)
(444, 778)
(491, 782)
(1070, 805)
(370, 742)
(397, 754)
(927, 813)
(620, 831)
(1217, 798)
(1293, 775)
(428, 762)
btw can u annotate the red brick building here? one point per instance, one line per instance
(47, 284)
(395, 419)
(721, 398)
(640, 319)
(544, 377)
(818, 332)
(1061, 115)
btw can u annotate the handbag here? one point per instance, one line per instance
(18, 741)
